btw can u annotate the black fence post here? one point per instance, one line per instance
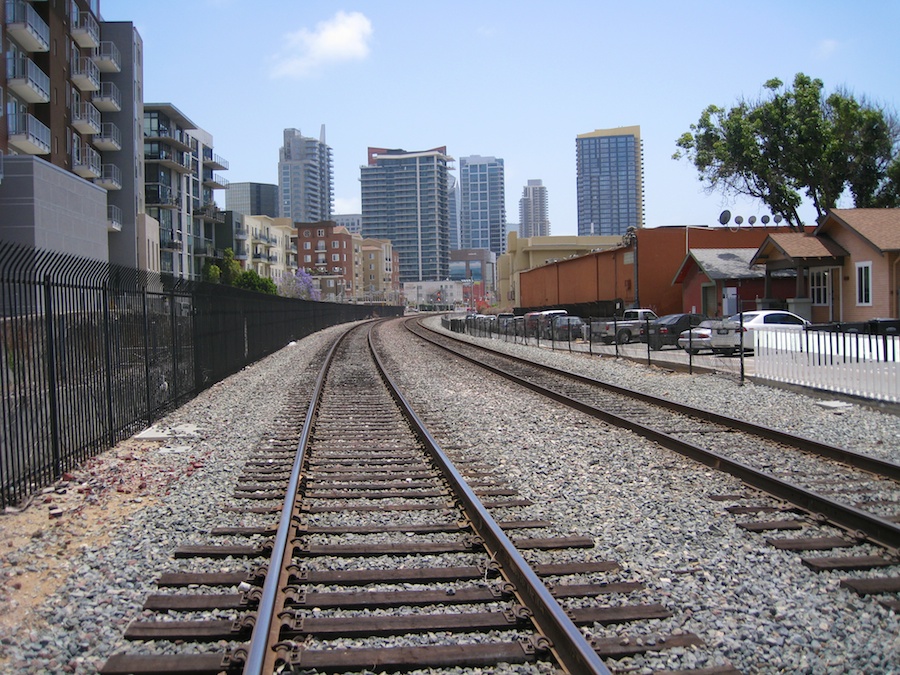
(52, 382)
(146, 311)
(107, 336)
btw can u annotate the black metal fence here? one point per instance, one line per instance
(92, 353)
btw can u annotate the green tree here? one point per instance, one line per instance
(230, 268)
(211, 272)
(299, 285)
(794, 142)
(251, 281)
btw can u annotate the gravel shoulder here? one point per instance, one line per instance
(78, 562)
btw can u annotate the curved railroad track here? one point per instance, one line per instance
(842, 500)
(383, 556)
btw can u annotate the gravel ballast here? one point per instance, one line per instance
(755, 607)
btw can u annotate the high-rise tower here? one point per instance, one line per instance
(534, 216)
(405, 200)
(305, 178)
(482, 212)
(610, 181)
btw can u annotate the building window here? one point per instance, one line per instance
(335, 257)
(818, 287)
(320, 233)
(307, 245)
(306, 233)
(307, 258)
(864, 283)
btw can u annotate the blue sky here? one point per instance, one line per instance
(517, 80)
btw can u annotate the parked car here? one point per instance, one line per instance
(696, 339)
(567, 328)
(666, 329)
(728, 336)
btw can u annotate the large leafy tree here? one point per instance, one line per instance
(251, 281)
(796, 142)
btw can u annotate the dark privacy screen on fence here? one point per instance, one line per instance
(92, 353)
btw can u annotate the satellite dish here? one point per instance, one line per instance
(751, 219)
(765, 220)
(724, 217)
(777, 218)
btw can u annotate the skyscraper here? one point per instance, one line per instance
(482, 211)
(305, 178)
(405, 200)
(534, 215)
(610, 181)
(252, 199)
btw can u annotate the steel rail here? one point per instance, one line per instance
(877, 529)
(259, 653)
(568, 644)
(858, 460)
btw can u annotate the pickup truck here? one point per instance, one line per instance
(623, 329)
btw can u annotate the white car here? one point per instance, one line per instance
(727, 337)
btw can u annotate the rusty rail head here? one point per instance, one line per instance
(258, 652)
(570, 647)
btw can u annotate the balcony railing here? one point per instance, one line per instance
(109, 139)
(28, 134)
(156, 194)
(169, 240)
(110, 177)
(86, 31)
(86, 118)
(108, 98)
(107, 57)
(214, 181)
(213, 161)
(27, 81)
(173, 159)
(113, 218)
(25, 26)
(86, 161)
(175, 137)
(240, 233)
(86, 74)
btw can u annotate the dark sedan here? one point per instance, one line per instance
(666, 329)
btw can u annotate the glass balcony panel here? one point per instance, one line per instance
(113, 218)
(86, 31)
(86, 161)
(27, 81)
(110, 177)
(26, 27)
(28, 134)
(86, 118)
(108, 58)
(86, 75)
(109, 139)
(108, 98)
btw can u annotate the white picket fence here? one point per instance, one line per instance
(861, 365)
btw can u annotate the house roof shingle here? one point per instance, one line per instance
(881, 227)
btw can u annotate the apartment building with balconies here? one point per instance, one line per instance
(181, 176)
(71, 95)
(270, 248)
(326, 251)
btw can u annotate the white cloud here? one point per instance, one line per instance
(345, 37)
(344, 205)
(826, 48)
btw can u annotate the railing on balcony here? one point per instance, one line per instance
(113, 218)
(109, 138)
(213, 161)
(175, 136)
(86, 161)
(157, 194)
(110, 177)
(174, 159)
(25, 26)
(86, 118)
(27, 81)
(28, 134)
(214, 181)
(240, 233)
(108, 98)
(86, 31)
(169, 240)
(107, 57)
(86, 74)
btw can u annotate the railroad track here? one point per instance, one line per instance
(374, 551)
(844, 502)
